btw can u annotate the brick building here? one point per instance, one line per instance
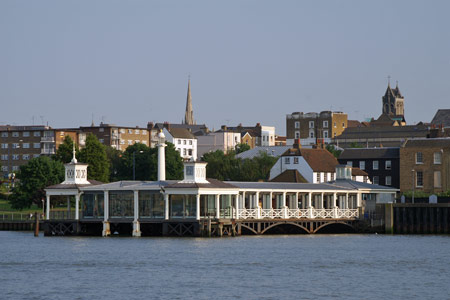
(313, 128)
(425, 163)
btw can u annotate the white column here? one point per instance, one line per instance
(197, 213)
(243, 200)
(358, 200)
(217, 206)
(270, 201)
(321, 200)
(237, 198)
(284, 199)
(77, 206)
(333, 204)
(136, 224)
(296, 200)
(106, 227)
(346, 201)
(166, 206)
(47, 209)
(257, 199)
(309, 200)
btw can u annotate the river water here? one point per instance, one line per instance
(247, 267)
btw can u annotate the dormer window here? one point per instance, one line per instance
(296, 160)
(287, 160)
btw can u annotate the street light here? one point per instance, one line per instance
(412, 186)
(134, 163)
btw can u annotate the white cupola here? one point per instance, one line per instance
(195, 172)
(76, 173)
(343, 172)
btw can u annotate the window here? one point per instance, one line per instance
(144, 142)
(26, 156)
(334, 124)
(350, 163)
(37, 133)
(388, 165)
(419, 158)
(296, 160)
(343, 125)
(5, 168)
(325, 124)
(297, 125)
(325, 134)
(15, 146)
(35, 155)
(190, 142)
(189, 170)
(184, 151)
(179, 142)
(4, 134)
(419, 179)
(37, 145)
(184, 142)
(362, 165)
(144, 132)
(311, 124)
(437, 179)
(4, 146)
(26, 145)
(376, 180)
(318, 177)
(122, 142)
(375, 165)
(15, 168)
(130, 131)
(4, 156)
(388, 180)
(287, 160)
(311, 133)
(130, 142)
(137, 131)
(101, 140)
(15, 134)
(26, 134)
(101, 129)
(190, 152)
(332, 176)
(437, 157)
(15, 157)
(297, 134)
(122, 130)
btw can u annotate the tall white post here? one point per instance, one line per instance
(106, 228)
(270, 200)
(217, 206)
(136, 224)
(284, 199)
(257, 199)
(346, 201)
(197, 202)
(243, 200)
(77, 206)
(47, 208)
(358, 200)
(166, 206)
(308, 205)
(237, 197)
(333, 204)
(321, 200)
(161, 157)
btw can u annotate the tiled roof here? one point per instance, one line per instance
(181, 133)
(358, 172)
(353, 123)
(290, 176)
(378, 132)
(437, 142)
(320, 160)
(442, 117)
(369, 153)
(270, 150)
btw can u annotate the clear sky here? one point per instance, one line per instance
(127, 62)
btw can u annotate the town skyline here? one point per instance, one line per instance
(128, 64)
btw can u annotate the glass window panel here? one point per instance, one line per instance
(121, 204)
(93, 205)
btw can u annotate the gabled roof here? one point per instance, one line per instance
(442, 117)
(319, 160)
(290, 176)
(181, 133)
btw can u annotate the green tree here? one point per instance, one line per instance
(356, 145)
(32, 178)
(114, 157)
(332, 149)
(242, 148)
(174, 163)
(65, 151)
(94, 154)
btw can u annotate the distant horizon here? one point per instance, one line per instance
(128, 63)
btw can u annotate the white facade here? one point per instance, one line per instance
(187, 147)
(267, 136)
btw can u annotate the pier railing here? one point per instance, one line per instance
(286, 213)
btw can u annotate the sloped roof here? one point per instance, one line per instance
(275, 151)
(442, 117)
(377, 132)
(351, 184)
(369, 153)
(181, 133)
(353, 123)
(437, 142)
(73, 186)
(290, 176)
(320, 160)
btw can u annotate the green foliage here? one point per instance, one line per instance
(242, 148)
(146, 160)
(32, 178)
(422, 194)
(64, 153)
(332, 149)
(94, 154)
(356, 145)
(114, 157)
(227, 167)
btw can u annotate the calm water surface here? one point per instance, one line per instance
(268, 267)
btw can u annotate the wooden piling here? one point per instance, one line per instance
(36, 224)
(209, 227)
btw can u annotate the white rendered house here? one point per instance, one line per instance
(184, 141)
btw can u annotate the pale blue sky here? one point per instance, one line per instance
(127, 62)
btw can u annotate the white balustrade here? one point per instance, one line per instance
(282, 213)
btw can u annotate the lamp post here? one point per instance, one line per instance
(134, 163)
(412, 186)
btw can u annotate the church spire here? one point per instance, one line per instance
(189, 114)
